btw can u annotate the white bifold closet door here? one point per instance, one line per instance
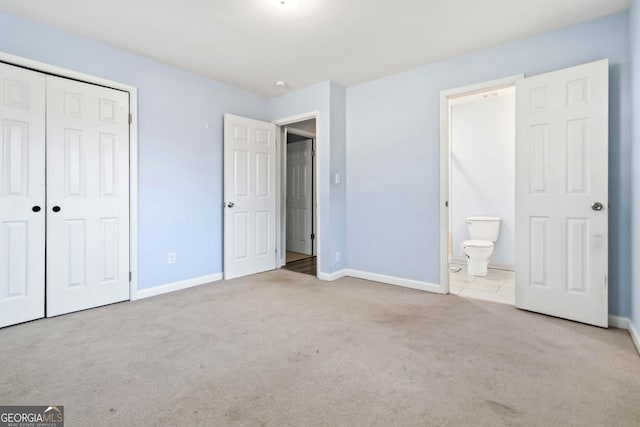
(87, 196)
(64, 195)
(22, 194)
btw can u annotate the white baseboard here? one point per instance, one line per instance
(397, 281)
(626, 323)
(330, 277)
(619, 322)
(176, 286)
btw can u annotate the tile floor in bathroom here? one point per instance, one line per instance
(498, 286)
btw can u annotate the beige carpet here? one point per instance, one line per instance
(284, 349)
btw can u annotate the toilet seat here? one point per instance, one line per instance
(478, 243)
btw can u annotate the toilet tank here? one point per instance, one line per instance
(484, 228)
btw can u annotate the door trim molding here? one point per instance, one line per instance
(133, 144)
(280, 157)
(445, 96)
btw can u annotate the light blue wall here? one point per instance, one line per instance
(180, 161)
(328, 100)
(634, 18)
(393, 127)
(338, 198)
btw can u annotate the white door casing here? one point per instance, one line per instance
(299, 197)
(22, 192)
(88, 179)
(249, 196)
(561, 172)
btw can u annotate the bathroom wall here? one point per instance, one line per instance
(393, 154)
(482, 179)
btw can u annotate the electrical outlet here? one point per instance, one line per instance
(338, 256)
(171, 258)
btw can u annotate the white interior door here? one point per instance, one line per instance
(299, 197)
(87, 196)
(250, 196)
(22, 194)
(561, 193)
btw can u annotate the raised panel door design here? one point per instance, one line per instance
(16, 264)
(241, 173)
(72, 105)
(262, 233)
(16, 93)
(539, 253)
(577, 255)
(577, 156)
(22, 186)
(88, 238)
(561, 170)
(539, 159)
(15, 158)
(263, 136)
(538, 100)
(108, 164)
(263, 175)
(107, 110)
(241, 232)
(109, 249)
(74, 163)
(249, 196)
(578, 92)
(76, 255)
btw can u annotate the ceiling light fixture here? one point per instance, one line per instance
(283, 3)
(280, 83)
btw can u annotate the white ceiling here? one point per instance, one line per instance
(253, 43)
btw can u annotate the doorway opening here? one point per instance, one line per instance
(479, 187)
(299, 197)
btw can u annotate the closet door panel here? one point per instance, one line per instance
(22, 195)
(87, 197)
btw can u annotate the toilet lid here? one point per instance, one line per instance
(478, 243)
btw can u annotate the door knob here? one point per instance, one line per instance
(56, 209)
(36, 208)
(597, 206)
(230, 204)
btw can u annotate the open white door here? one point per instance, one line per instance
(22, 194)
(250, 196)
(299, 197)
(561, 193)
(87, 196)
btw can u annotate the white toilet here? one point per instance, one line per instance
(484, 231)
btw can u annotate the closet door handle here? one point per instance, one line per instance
(36, 208)
(56, 209)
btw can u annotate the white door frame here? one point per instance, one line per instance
(133, 146)
(314, 201)
(281, 153)
(445, 149)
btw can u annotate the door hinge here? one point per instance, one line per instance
(130, 276)
(313, 153)
(130, 118)
(446, 204)
(313, 236)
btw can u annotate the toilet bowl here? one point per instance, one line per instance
(478, 253)
(484, 231)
